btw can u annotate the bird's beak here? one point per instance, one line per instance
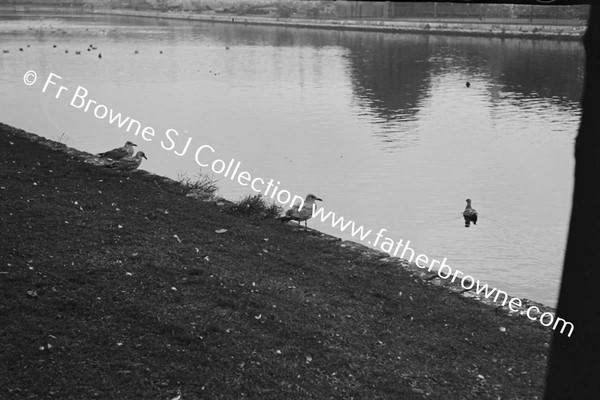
(319, 199)
(145, 157)
(133, 144)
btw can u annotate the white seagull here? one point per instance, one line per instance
(304, 213)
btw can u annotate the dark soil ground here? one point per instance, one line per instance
(117, 286)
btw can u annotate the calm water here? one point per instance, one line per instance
(381, 126)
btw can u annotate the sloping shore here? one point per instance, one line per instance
(119, 286)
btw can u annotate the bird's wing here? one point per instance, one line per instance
(470, 213)
(133, 163)
(305, 212)
(125, 163)
(115, 154)
(292, 213)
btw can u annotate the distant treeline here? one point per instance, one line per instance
(331, 9)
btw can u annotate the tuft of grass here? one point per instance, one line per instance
(202, 182)
(63, 138)
(255, 205)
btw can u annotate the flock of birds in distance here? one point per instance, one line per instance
(78, 52)
(92, 47)
(89, 48)
(123, 159)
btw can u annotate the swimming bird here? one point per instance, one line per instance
(304, 213)
(6, 51)
(135, 52)
(77, 52)
(468, 84)
(99, 55)
(119, 152)
(128, 163)
(470, 214)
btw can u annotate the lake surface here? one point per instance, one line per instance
(381, 126)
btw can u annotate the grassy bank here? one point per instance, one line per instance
(119, 286)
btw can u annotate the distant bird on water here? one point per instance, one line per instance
(99, 55)
(128, 163)
(470, 214)
(468, 84)
(119, 152)
(305, 212)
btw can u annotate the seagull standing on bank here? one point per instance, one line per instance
(119, 152)
(470, 214)
(128, 163)
(304, 213)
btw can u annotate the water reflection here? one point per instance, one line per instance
(392, 74)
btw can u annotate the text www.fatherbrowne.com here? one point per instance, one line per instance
(444, 271)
